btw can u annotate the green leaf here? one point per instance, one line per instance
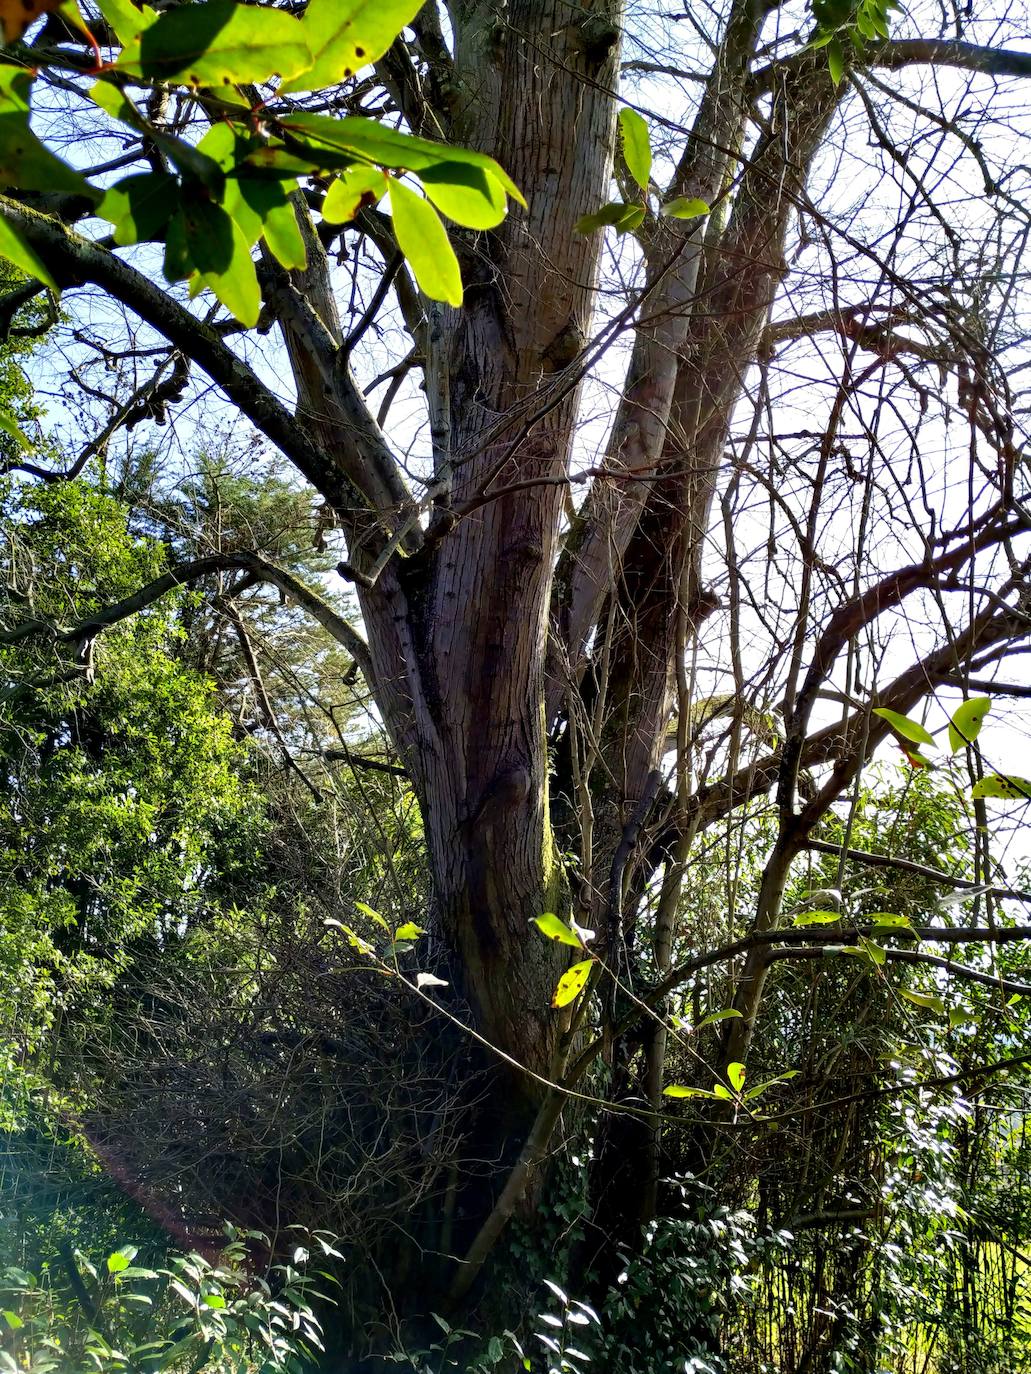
(218, 43)
(24, 162)
(902, 725)
(409, 931)
(636, 147)
(370, 141)
(220, 254)
(633, 219)
(468, 195)
(686, 207)
(215, 1300)
(346, 35)
(1004, 787)
(140, 206)
(609, 214)
(966, 722)
(13, 1320)
(816, 918)
(835, 61)
(736, 1075)
(721, 1091)
(928, 1001)
(356, 186)
(126, 19)
(121, 1258)
(873, 951)
(865, 949)
(8, 423)
(373, 915)
(571, 984)
(759, 1088)
(424, 242)
(14, 248)
(728, 1014)
(889, 920)
(678, 1090)
(556, 929)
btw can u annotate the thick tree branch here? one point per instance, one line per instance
(186, 573)
(75, 261)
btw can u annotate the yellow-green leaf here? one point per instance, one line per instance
(556, 929)
(686, 207)
(218, 250)
(9, 425)
(1006, 788)
(678, 1090)
(636, 148)
(902, 725)
(889, 920)
(817, 918)
(24, 161)
(424, 242)
(14, 248)
(354, 187)
(408, 931)
(346, 35)
(126, 19)
(218, 43)
(967, 720)
(468, 195)
(368, 140)
(736, 1075)
(928, 1001)
(571, 984)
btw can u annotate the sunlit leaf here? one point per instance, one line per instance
(468, 195)
(126, 19)
(571, 984)
(140, 206)
(220, 254)
(408, 931)
(902, 725)
(816, 918)
(966, 722)
(760, 1088)
(14, 248)
(24, 162)
(889, 920)
(8, 424)
(678, 1090)
(556, 929)
(370, 141)
(373, 915)
(736, 1075)
(217, 43)
(636, 146)
(424, 242)
(1006, 788)
(928, 1001)
(728, 1014)
(686, 207)
(346, 35)
(356, 186)
(121, 1258)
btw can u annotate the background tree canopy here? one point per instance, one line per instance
(515, 591)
